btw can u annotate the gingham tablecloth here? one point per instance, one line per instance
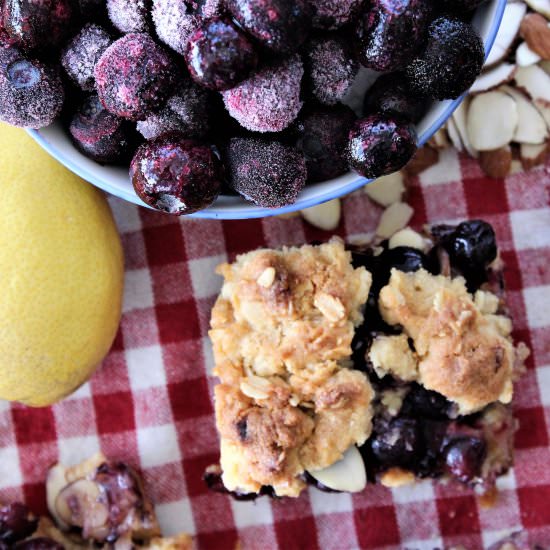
(151, 402)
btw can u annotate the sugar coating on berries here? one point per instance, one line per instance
(31, 93)
(134, 76)
(39, 24)
(322, 137)
(331, 69)
(281, 25)
(176, 175)
(267, 173)
(269, 100)
(332, 14)
(83, 52)
(389, 94)
(99, 134)
(129, 15)
(450, 63)
(187, 112)
(174, 23)
(380, 144)
(219, 55)
(390, 32)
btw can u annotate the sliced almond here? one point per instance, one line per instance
(395, 217)
(78, 505)
(55, 483)
(255, 387)
(330, 306)
(533, 155)
(535, 82)
(440, 140)
(507, 32)
(459, 118)
(536, 33)
(348, 474)
(491, 121)
(544, 109)
(498, 163)
(267, 278)
(541, 6)
(387, 189)
(525, 56)
(325, 216)
(454, 135)
(531, 126)
(422, 160)
(407, 237)
(494, 77)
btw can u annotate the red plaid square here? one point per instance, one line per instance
(376, 526)
(119, 405)
(33, 425)
(458, 515)
(164, 244)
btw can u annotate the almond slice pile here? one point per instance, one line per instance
(506, 117)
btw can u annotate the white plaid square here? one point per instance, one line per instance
(530, 228)
(419, 491)
(145, 367)
(176, 517)
(250, 513)
(73, 450)
(138, 290)
(206, 282)
(543, 379)
(537, 304)
(158, 445)
(10, 470)
(443, 172)
(329, 503)
(126, 215)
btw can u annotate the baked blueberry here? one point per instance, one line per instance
(281, 25)
(451, 62)
(380, 144)
(267, 173)
(219, 55)
(33, 24)
(322, 137)
(390, 94)
(176, 175)
(129, 15)
(330, 68)
(333, 14)
(472, 245)
(134, 76)
(269, 100)
(101, 135)
(16, 523)
(82, 53)
(464, 458)
(397, 443)
(390, 32)
(31, 93)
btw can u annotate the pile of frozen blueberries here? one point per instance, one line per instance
(202, 97)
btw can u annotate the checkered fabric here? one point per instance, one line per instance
(151, 402)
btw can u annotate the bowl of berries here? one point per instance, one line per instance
(237, 108)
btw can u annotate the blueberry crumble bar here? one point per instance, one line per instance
(95, 504)
(387, 362)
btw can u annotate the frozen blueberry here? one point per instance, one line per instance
(269, 100)
(16, 523)
(129, 15)
(39, 24)
(380, 144)
(281, 25)
(451, 61)
(134, 76)
(188, 112)
(219, 55)
(390, 94)
(267, 173)
(332, 14)
(83, 52)
(176, 20)
(331, 69)
(391, 32)
(464, 457)
(38, 543)
(100, 135)
(31, 93)
(322, 138)
(176, 175)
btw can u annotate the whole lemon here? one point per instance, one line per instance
(61, 266)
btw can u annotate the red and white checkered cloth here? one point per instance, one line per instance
(150, 403)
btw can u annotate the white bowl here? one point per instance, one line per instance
(115, 180)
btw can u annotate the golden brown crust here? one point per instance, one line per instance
(281, 331)
(464, 350)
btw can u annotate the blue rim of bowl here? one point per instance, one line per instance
(253, 212)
